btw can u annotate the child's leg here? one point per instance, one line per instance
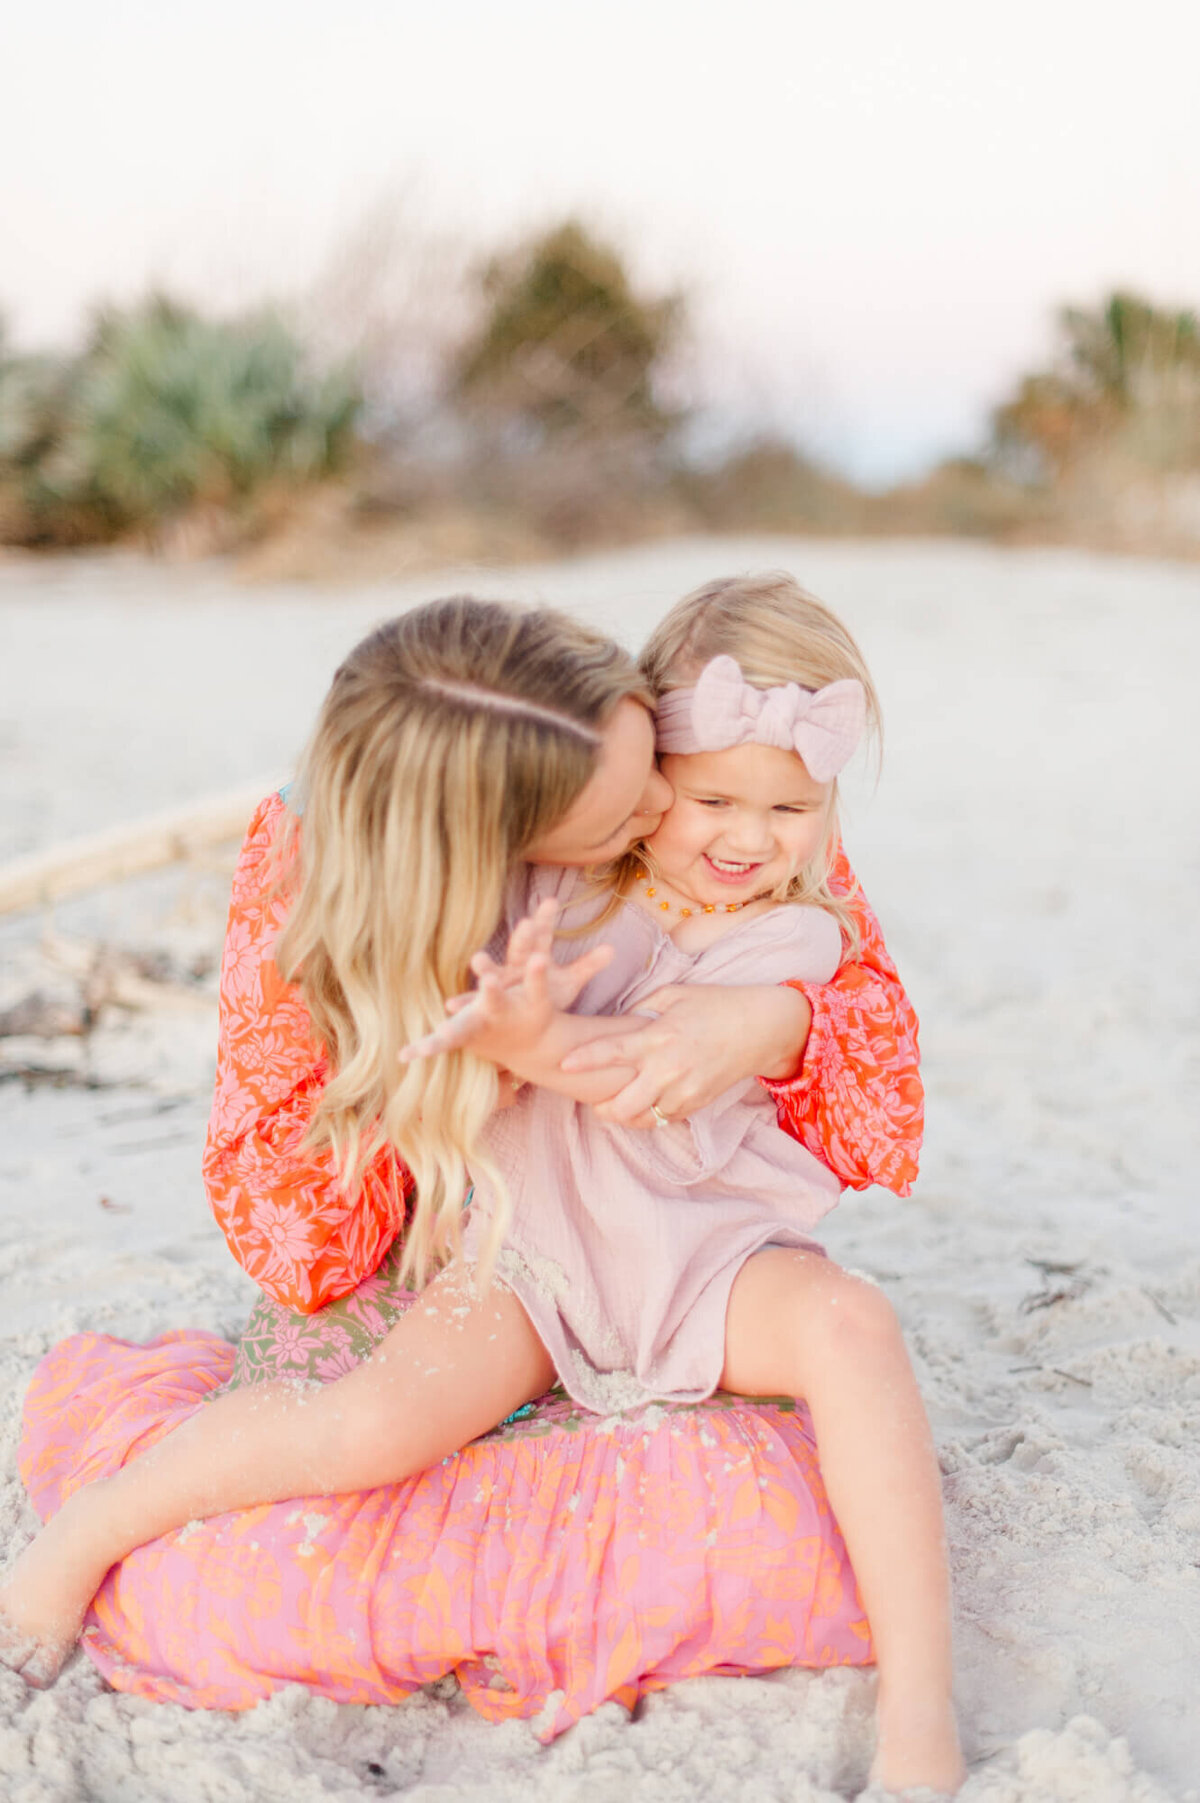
(797, 1325)
(453, 1367)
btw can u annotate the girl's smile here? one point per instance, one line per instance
(742, 823)
(725, 870)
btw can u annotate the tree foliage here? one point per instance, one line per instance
(565, 346)
(1126, 373)
(1121, 353)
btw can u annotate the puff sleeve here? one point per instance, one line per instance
(857, 1101)
(278, 1201)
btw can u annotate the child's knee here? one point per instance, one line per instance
(854, 1314)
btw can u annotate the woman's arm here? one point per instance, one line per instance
(857, 1101)
(840, 1059)
(706, 1038)
(278, 1201)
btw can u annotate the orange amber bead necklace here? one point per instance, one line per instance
(701, 907)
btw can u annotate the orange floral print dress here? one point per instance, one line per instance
(556, 1563)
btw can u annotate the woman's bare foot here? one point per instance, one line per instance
(918, 1749)
(38, 1657)
(44, 1598)
(38, 1663)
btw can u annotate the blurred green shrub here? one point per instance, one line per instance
(164, 412)
(173, 409)
(35, 419)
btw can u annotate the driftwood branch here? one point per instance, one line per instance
(107, 975)
(125, 851)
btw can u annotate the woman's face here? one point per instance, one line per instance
(624, 800)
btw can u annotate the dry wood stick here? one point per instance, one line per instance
(124, 851)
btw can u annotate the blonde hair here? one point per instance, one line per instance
(777, 633)
(450, 740)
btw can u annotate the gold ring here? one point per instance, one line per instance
(660, 1119)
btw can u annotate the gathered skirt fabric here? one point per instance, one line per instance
(561, 1561)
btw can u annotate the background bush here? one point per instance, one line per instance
(163, 413)
(547, 414)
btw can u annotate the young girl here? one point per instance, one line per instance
(635, 1268)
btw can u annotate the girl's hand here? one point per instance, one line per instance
(515, 1003)
(707, 1038)
(564, 981)
(496, 1021)
(530, 938)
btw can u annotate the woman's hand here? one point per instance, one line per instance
(707, 1038)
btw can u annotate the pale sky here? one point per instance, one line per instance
(877, 207)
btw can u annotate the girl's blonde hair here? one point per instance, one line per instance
(777, 633)
(451, 739)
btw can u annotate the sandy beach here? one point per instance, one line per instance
(1031, 850)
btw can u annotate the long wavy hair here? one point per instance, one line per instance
(451, 739)
(777, 633)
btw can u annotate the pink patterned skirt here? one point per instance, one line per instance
(561, 1561)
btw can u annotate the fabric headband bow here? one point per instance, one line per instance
(823, 726)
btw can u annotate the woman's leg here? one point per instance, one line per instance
(797, 1325)
(453, 1367)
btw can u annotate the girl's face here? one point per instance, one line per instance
(621, 804)
(743, 821)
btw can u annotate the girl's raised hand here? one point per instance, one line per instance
(514, 1003)
(494, 1015)
(530, 938)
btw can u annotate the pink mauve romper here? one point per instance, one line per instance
(623, 1244)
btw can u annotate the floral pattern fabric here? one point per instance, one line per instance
(283, 1342)
(856, 1103)
(555, 1564)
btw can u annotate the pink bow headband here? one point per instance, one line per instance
(823, 726)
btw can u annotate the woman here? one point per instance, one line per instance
(541, 733)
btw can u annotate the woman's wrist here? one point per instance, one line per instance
(785, 1021)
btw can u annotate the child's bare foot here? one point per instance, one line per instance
(918, 1750)
(45, 1596)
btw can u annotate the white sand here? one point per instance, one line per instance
(1032, 851)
